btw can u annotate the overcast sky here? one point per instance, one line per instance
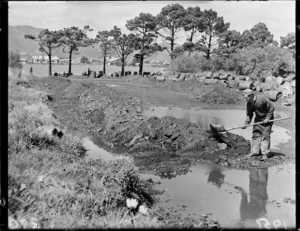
(279, 16)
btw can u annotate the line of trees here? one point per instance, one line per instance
(206, 32)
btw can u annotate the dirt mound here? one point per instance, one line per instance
(218, 94)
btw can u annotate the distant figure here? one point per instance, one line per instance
(30, 71)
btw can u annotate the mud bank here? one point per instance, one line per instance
(165, 146)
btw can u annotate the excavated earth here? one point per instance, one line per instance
(164, 146)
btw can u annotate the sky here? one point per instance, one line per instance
(279, 16)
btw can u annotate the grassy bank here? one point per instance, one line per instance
(52, 185)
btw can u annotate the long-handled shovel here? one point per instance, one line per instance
(219, 131)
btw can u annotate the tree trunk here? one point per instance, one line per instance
(123, 65)
(172, 43)
(104, 63)
(172, 46)
(70, 61)
(209, 47)
(141, 64)
(50, 63)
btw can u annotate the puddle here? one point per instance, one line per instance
(112, 85)
(229, 118)
(210, 188)
(95, 152)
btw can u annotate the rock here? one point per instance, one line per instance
(168, 133)
(153, 134)
(136, 137)
(139, 109)
(222, 146)
(175, 136)
(213, 226)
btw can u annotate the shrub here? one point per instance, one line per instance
(84, 60)
(14, 60)
(184, 64)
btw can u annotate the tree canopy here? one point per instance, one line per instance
(169, 22)
(123, 45)
(214, 27)
(72, 38)
(145, 27)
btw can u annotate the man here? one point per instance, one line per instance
(264, 112)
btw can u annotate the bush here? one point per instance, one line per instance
(14, 60)
(184, 64)
(84, 60)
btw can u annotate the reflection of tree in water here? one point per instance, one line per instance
(216, 177)
(255, 207)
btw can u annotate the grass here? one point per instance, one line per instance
(49, 178)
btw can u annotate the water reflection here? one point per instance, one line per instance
(255, 206)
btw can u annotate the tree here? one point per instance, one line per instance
(123, 45)
(289, 42)
(169, 22)
(144, 26)
(48, 40)
(84, 60)
(14, 60)
(194, 22)
(106, 45)
(247, 38)
(262, 36)
(214, 27)
(72, 38)
(229, 42)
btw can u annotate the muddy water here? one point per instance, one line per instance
(96, 152)
(236, 198)
(228, 118)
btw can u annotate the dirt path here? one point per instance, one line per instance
(110, 109)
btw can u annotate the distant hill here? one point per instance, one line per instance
(27, 47)
(17, 42)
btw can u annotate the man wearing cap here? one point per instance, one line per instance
(264, 112)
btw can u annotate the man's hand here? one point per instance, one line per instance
(265, 121)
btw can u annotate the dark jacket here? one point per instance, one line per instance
(262, 107)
